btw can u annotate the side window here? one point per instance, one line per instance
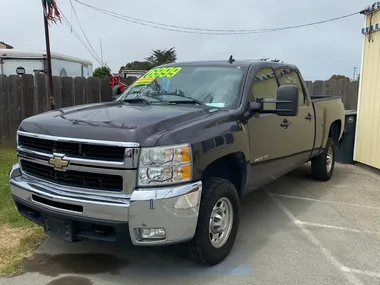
(290, 77)
(265, 85)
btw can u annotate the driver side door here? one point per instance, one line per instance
(269, 139)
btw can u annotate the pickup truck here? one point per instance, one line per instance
(170, 159)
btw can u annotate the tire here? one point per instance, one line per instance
(216, 191)
(320, 169)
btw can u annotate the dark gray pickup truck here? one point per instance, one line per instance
(170, 159)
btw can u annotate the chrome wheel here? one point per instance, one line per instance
(221, 221)
(329, 159)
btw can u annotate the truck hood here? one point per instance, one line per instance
(114, 121)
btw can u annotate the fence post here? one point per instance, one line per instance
(4, 110)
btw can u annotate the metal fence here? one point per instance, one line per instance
(27, 95)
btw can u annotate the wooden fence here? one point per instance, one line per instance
(24, 96)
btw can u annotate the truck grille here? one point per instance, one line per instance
(79, 179)
(98, 152)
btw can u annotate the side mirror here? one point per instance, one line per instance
(287, 102)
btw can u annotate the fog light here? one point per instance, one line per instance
(153, 233)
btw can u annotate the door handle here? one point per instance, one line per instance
(285, 123)
(308, 117)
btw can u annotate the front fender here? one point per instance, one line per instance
(210, 140)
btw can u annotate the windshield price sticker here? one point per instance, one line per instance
(143, 81)
(162, 72)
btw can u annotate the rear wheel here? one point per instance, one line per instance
(218, 223)
(322, 166)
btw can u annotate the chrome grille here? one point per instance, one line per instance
(94, 166)
(88, 151)
(78, 179)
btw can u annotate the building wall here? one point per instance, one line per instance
(367, 143)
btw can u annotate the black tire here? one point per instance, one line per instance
(200, 249)
(319, 166)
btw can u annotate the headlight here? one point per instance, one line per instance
(165, 165)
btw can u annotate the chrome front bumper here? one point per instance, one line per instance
(173, 209)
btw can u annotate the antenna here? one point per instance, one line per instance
(231, 59)
(101, 51)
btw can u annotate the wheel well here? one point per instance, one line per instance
(335, 129)
(231, 167)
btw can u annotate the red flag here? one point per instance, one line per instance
(51, 11)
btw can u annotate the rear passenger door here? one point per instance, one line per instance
(269, 141)
(302, 126)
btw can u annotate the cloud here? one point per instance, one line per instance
(319, 51)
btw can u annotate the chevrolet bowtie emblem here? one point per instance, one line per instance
(58, 162)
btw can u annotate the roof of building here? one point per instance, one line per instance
(6, 45)
(17, 53)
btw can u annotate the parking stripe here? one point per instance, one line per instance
(346, 271)
(334, 227)
(325, 201)
(367, 273)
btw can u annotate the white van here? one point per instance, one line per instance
(14, 61)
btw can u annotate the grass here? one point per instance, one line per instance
(19, 237)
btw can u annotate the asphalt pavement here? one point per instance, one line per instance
(294, 231)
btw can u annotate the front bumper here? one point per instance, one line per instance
(172, 209)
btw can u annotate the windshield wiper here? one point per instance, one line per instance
(188, 100)
(137, 100)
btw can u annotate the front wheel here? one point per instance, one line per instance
(322, 166)
(218, 223)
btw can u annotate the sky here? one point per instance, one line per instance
(319, 51)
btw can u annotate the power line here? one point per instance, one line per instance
(80, 26)
(206, 31)
(79, 38)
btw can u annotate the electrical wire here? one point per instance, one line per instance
(206, 31)
(79, 38)
(80, 26)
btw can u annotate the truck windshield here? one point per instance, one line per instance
(217, 86)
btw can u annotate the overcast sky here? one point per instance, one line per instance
(319, 51)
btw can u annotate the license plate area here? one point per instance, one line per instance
(57, 228)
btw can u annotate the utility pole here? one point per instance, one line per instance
(48, 55)
(353, 77)
(101, 52)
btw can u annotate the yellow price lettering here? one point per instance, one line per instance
(162, 72)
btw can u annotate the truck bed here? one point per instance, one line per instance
(324, 97)
(326, 107)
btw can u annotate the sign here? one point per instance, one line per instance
(20, 70)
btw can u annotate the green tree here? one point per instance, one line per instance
(272, 60)
(159, 57)
(137, 65)
(102, 71)
(337, 77)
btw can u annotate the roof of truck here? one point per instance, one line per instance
(18, 53)
(244, 62)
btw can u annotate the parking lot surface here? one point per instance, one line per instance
(294, 231)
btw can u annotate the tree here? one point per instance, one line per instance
(272, 60)
(338, 76)
(102, 71)
(159, 57)
(137, 65)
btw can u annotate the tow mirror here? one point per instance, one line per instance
(286, 101)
